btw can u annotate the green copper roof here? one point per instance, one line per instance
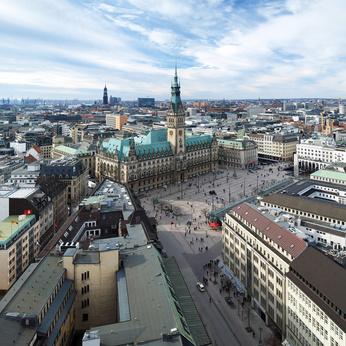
(154, 136)
(120, 146)
(154, 149)
(198, 140)
(176, 104)
(328, 174)
(154, 143)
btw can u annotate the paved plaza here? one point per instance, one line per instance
(181, 212)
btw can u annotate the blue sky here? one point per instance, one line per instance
(224, 48)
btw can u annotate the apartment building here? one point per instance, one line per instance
(314, 154)
(19, 245)
(39, 307)
(316, 304)
(258, 251)
(237, 153)
(275, 146)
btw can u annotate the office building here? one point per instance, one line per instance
(308, 208)
(275, 146)
(114, 100)
(316, 305)
(116, 121)
(146, 102)
(19, 245)
(315, 154)
(27, 201)
(258, 251)
(237, 153)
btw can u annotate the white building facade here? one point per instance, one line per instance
(313, 155)
(316, 305)
(258, 252)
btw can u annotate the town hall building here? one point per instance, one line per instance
(161, 157)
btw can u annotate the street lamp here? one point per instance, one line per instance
(260, 336)
(229, 193)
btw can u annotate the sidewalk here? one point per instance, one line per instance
(238, 309)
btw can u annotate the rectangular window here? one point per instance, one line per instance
(85, 317)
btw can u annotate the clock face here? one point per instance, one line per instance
(171, 133)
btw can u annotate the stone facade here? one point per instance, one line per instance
(162, 157)
(237, 153)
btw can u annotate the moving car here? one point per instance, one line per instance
(200, 286)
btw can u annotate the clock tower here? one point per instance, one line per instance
(175, 120)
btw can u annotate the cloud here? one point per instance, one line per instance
(225, 48)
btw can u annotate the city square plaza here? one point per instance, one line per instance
(183, 214)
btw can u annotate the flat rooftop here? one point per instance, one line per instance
(136, 237)
(299, 187)
(308, 205)
(330, 174)
(111, 196)
(28, 296)
(12, 225)
(11, 191)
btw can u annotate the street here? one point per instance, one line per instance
(181, 213)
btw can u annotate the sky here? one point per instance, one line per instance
(228, 49)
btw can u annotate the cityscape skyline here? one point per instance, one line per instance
(224, 49)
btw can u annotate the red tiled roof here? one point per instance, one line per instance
(281, 236)
(29, 159)
(37, 148)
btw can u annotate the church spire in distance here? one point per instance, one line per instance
(105, 95)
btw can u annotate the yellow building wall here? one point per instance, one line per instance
(67, 328)
(102, 289)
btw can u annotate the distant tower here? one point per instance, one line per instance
(322, 122)
(105, 96)
(175, 120)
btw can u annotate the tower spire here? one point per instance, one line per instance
(105, 95)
